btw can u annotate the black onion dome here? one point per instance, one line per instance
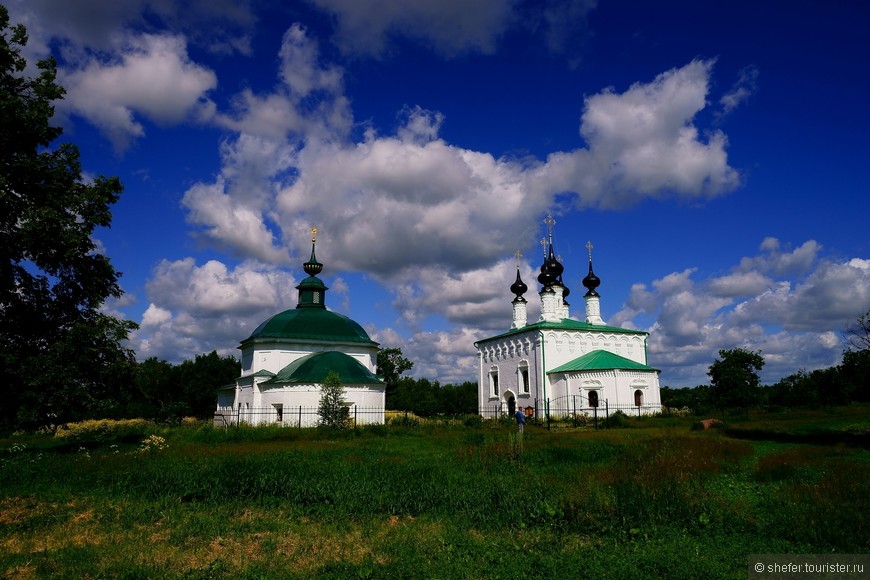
(312, 267)
(591, 281)
(551, 270)
(519, 287)
(565, 289)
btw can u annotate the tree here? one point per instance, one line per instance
(855, 372)
(734, 377)
(858, 334)
(197, 382)
(153, 389)
(391, 365)
(458, 399)
(333, 411)
(60, 357)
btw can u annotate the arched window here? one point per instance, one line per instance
(524, 376)
(638, 398)
(493, 381)
(593, 398)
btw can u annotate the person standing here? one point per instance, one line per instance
(521, 419)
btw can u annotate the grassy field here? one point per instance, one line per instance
(136, 500)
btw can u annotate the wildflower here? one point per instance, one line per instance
(153, 442)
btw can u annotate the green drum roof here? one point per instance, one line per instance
(310, 324)
(599, 360)
(314, 367)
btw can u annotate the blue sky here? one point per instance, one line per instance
(714, 153)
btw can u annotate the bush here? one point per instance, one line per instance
(473, 421)
(617, 420)
(404, 420)
(103, 430)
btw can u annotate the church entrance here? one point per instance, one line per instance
(512, 406)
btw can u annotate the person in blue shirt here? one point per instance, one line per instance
(521, 419)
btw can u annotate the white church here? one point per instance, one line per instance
(562, 366)
(287, 357)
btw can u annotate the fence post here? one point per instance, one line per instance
(299, 423)
(574, 414)
(354, 416)
(606, 412)
(595, 416)
(547, 413)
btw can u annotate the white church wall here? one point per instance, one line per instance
(296, 406)
(509, 356)
(274, 357)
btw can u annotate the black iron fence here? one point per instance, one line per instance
(295, 416)
(565, 412)
(570, 411)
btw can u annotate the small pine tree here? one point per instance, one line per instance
(332, 410)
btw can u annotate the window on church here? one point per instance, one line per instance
(279, 413)
(638, 398)
(524, 377)
(593, 398)
(493, 381)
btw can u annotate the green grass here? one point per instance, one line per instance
(655, 499)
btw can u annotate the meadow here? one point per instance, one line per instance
(652, 499)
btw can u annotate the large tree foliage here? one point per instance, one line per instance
(734, 377)
(426, 398)
(391, 365)
(60, 357)
(166, 392)
(858, 334)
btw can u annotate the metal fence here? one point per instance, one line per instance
(565, 412)
(571, 411)
(296, 416)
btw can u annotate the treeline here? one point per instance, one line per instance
(163, 391)
(426, 398)
(838, 385)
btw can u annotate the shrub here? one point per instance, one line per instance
(333, 411)
(103, 430)
(617, 420)
(473, 421)
(404, 420)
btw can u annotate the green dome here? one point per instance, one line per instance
(310, 324)
(314, 367)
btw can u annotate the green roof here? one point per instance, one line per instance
(314, 367)
(564, 324)
(601, 360)
(307, 324)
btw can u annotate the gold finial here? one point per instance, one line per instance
(518, 255)
(313, 235)
(589, 249)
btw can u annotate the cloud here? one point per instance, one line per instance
(196, 309)
(642, 144)
(221, 26)
(429, 220)
(782, 261)
(745, 87)
(450, 27)
(307, 103)
(153, 77)
(563, 24)
(461, 297)
(759, 306)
